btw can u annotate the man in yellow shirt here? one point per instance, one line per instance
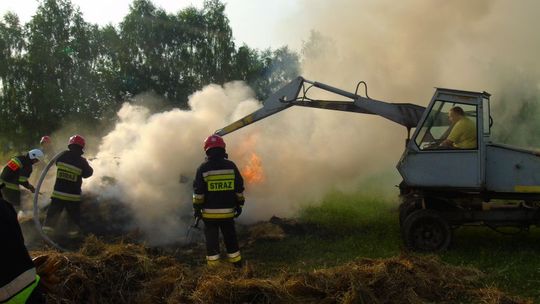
(463, 133)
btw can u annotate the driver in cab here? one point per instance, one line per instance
(463, 133)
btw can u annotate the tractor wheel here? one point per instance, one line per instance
(405, 209)
(425, 230)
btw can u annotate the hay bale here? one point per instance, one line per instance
(113, 273)
(492, 295)
(290, 226)
(130, 273)
(265, 231)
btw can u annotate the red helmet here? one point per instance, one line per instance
(213, 141)
(45, 140)
(77, 140)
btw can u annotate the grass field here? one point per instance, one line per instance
(346, 227)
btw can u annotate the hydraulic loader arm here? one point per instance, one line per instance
(294, 94)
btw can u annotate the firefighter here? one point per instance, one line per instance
(47, 147)
(15, 173)
(218, 198)
(46, 144)
(19, 282)
(71, 169)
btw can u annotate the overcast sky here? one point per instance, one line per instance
(258, 23)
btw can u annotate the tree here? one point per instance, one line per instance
(59, 68)
(275, 68)
(217, 52)
(62, 60)
(12, 81)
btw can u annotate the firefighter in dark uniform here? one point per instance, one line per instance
(15, 173)
(19, 282)
(46, 146)
(218, 198)
(71, 169)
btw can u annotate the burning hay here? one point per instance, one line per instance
(129, 273)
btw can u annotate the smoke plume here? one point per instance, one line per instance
(402, 50)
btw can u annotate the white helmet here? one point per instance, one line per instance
(35, 154)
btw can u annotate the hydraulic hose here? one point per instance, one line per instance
(36, 208)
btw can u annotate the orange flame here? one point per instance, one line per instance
(253, 172)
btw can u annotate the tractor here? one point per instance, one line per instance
(444, 186)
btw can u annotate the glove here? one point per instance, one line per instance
(238, 211)
(197, 213)
(31, 188)
(47, 267)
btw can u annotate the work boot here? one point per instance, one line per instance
(72, 234)
(213, 264)
(213, 261)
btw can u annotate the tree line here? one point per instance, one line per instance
(59, 68)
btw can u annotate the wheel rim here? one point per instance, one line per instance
(428, 235)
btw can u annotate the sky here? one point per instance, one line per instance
(257, 23)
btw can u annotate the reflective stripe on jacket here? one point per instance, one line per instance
(16, 172)
(218, 188)
(10, 186)
(17, 270)
(19, 286)
(71, 168)
(66, 196)
(218, 213)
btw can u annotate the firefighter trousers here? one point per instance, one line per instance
(55, 209)
(211, 233)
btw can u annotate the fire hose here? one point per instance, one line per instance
(36, 208)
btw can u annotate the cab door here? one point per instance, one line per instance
(429, 161)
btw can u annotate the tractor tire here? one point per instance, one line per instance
(405, 209)
(426, 231)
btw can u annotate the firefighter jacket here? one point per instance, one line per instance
(15, 173)
(18, 276)
(218, 188)
(71, 168)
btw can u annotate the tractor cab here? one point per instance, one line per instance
(448, 146)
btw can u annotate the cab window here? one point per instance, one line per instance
(449, 126)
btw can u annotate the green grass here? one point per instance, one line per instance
(511, 262)
(342, 228)
(347, 227)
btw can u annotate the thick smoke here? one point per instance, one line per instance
(402, 49)
(148, 160)
(405, 48)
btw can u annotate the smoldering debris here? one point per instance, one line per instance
(131, 273)
(110, 219)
